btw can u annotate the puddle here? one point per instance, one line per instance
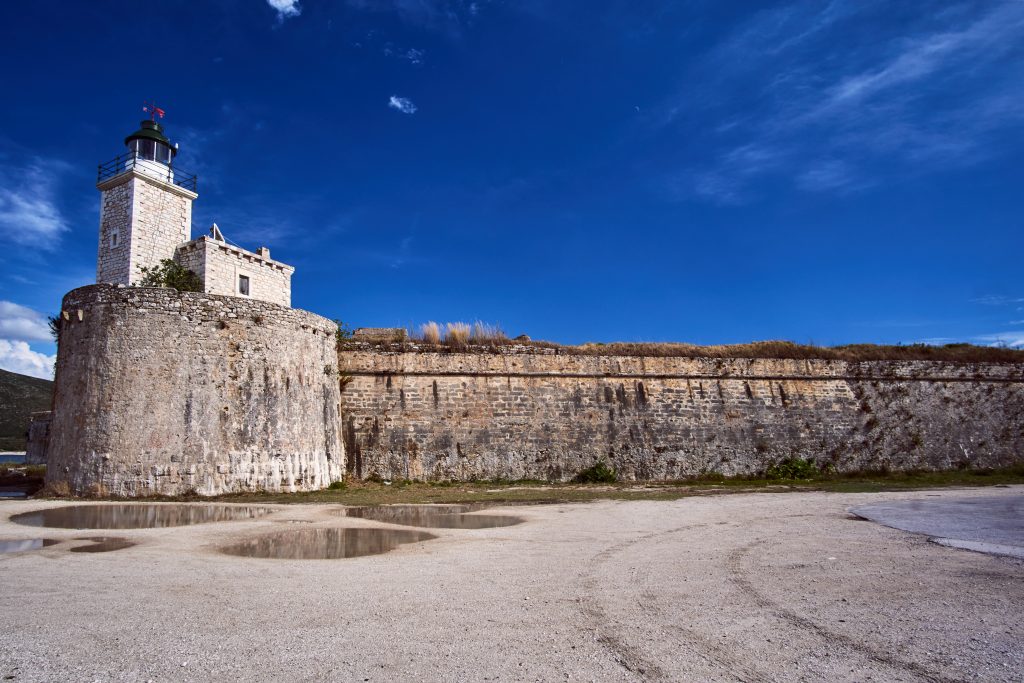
(432, 516)
(138, 516)
(102, 544)
(325, 544)
(26, 544)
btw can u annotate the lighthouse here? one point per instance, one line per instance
(145, 206)
(146, 218)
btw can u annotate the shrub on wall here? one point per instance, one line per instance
(343, 334)
(599, 473)
(793, 468)
(171, 274)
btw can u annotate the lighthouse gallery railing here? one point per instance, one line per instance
(131, 160)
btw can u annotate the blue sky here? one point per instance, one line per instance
(704, 171)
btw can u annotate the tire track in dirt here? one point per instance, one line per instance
(629, 657)
(739, 577)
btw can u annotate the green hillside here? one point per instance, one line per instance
(20, 396)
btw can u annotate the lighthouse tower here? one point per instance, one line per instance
(146, 218)
(146, 206)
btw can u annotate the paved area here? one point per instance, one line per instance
(748, 587)
(993, 524)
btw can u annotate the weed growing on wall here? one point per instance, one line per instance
(485, 333)
(171, 274)
(343, 334)
(598, 473)
(430, 333)
(792, 468)
(456, 335)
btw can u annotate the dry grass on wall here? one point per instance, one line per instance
(484, 338)
(430, 333)
(965, 353)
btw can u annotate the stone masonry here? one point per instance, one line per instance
(530, 413)
(220, 264)
(142, 221)
(166, 392)
(38, 438)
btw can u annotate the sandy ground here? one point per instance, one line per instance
(750, 587)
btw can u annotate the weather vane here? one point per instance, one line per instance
(153, 110)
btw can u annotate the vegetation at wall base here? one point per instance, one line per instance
(792, 468)
(529, 492)
(599, 473)
(171, 274)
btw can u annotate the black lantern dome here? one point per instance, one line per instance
(149, 142)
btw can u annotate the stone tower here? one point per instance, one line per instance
(146, 207)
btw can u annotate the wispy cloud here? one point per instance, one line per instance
(449, 16)
(285, 8)
(16, 356)
(997, 300)
(412, 55)
(1013, 339)
(402, 104)
(838, 113)
(22, 323)
(29, 214)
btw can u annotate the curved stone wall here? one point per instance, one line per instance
(166, 392)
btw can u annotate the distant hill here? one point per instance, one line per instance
(20, 396)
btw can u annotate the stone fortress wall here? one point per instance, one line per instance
(166, 392)
(529, 413)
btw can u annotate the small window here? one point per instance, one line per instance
(243, 285)
(114, 239)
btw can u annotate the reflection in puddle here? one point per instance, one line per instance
(27, 544)
(102, 544)
(433, 516)
(138, 516)
(325, 544)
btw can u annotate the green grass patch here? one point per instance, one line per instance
(534, 492)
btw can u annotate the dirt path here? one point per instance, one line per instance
(752, 587)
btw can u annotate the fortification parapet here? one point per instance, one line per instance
(165, 392)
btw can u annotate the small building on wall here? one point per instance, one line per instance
(146, 217)
(233, 271)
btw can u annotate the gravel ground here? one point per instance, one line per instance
(748, 587)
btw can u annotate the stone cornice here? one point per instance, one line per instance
(122, 178)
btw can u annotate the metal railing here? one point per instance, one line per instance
(154, 169)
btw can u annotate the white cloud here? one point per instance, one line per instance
(1013, 339)
(22, 323)
(927, 55)
(827, 175)
(16, 356)
(285, 8)
(402, 104)
(28, 209)
(933, 93)
(997, 300)
(447, 16)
